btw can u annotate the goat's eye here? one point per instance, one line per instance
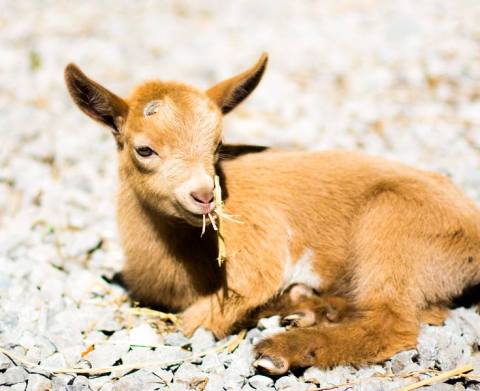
(145, 151)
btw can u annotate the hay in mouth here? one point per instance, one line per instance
(216, 219)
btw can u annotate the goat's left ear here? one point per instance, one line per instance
(229, 93)
(94, 100)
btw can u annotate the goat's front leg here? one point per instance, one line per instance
(253, 275)
(217, 313)
(228, 308)
(205, 312)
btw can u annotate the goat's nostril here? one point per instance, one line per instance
(202, 197)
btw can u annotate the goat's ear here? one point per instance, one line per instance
(94, 100)
(229, 93)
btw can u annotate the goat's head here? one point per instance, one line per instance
(168, 135)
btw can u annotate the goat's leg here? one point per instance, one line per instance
(404, 252)
(215, 312)
(434, 315)
(226, 310)
(300, 306)
(317, 310)
(370, 336)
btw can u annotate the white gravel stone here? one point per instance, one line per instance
(241, 361)
(61, 381)
(476, 363)
(442, 347)
(440, 387)
(18, 387)
(100, 383)
(144, 334)
(259, 381)
(372, 385)
(178, 387)
(106, 355)
(164, 375)
(369, 371)
(272, 331)
(215, 382)
(254, 335)
(46, 346)
(403, 362)
(171, 353)
(190, 375)
(176, 339)
(34, 355)
(56, 360)
(137, 354)
(38, 383)
(202, 340)
(268, 323)
(212, 363)
(149, 379)
(291, 383)
(81, 381)
(337, 375)
(128, 383)
(234, 381)
(5, 362)
(15, 375)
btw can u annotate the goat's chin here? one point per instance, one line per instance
(193, 219)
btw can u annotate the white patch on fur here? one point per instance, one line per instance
(301, 271)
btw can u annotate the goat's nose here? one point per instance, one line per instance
(203, 197)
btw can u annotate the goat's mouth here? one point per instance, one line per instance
(193, 218)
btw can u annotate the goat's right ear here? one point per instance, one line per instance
(229, 93)
(94, 100)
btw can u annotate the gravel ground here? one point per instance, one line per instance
(394, 78)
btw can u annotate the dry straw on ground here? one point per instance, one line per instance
(228, 346)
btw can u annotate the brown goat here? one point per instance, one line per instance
(385, 245)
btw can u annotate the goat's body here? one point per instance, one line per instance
(386, 245)
(376, 230)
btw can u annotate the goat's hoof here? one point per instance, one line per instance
(271, 365)
(299, 319)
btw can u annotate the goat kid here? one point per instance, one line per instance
(386, 245)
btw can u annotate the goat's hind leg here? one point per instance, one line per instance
(385, 318)
(404, 252)
(370, 337)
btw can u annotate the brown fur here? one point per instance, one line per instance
(386, 245)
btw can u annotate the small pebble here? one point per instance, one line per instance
(14, 375)
(202, 340)
(268, 323)
(176, 339)
(38, 383)
(259, 381)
